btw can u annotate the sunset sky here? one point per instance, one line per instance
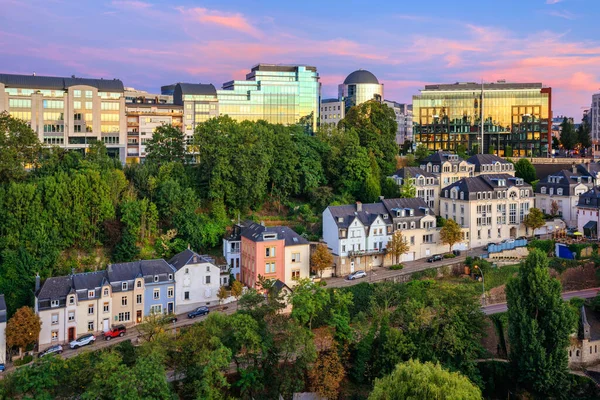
(406, 44)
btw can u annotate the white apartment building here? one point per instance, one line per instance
(358, 234)
(561, 190)
(448, 167)
(331, 111)
(403, 119)
(68, 112)
(427, 185)
(595, 124)
(488, 207)
(491, 164)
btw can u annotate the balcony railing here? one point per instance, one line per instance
(359, 253)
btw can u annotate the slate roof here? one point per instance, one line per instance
(142, 268)
(195, 88)
(417, 204)
(485, 159)
(55, 288)
(590, 199)
(361, 76)
(440, 157)
(254, 232)
(187, 257)
(414, 172)
(567, 181)
(54, 83)
(347, 213)
(2, 309)
(483, 183)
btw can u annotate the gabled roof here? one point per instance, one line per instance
(55, 288)
(188, 257)
(417, 204)
(88, 280)
(255, 232)
(58, 83)
(345, 215)
(136, 269)
(414, 172)
(486, 159)
(440, 157)
(567, 181)
(590, 199)
(484, 183)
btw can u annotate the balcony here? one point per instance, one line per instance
(361, 253)
(133, 134)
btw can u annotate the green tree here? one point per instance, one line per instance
(421, 152)
(308, 299)
(461, 150)
(397, 246)
(450, 233)
(426, 381)
(408, 189)
(126, 250)
(492, 149)
(539, 325)
(508, 151)
(19, 148)
(583, 135)
(389, 189)
(568, 136)
(167, 145)
(23, 329)
(534, 220)
(371, 190)
(222, 294)
(524, 169)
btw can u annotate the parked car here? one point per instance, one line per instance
(437, 257)
(198, 311)
(357, 275)
(456, 252)
(508, 241)
(82, 341)
(2, 367)
(58, 349)
(116, 331)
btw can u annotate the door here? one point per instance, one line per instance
(351, 266)
(71, 334)
(138, 316)
(106, 326)
(170, 308)
(408, 256)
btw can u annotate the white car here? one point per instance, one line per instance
(357, 275)
(82, 341)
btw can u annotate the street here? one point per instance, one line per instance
(584, 294)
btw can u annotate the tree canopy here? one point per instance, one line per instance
(524, 169)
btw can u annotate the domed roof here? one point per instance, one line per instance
(361, 76)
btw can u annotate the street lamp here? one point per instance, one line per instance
(482, 283)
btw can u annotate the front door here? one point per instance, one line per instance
(138, 317)
(106, 326)
(169, 308)
(351, 266)
(71, 334)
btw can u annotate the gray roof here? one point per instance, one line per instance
(188, 257)
(88, 280)
(2, 309)
(196, 88)
(136, 269)
(414, 172)
(54, 83)
(484, 183)
(361, 76)
(473, 86)
(567, 181)
(440, 157)
(486, 159)
(55, 288)
(590, 199)
(417, 204)
(254, 232)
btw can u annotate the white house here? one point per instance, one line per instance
(588, 210)
(197, 281)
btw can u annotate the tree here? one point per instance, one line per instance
(568, 136)
(450, 233)
(554, 208)
(539, 325)
(19, 147)
(461, 150)
(222, 294)
(408, 189)
(492, 149)
(308, 299)
(397, 246)
(426, 381)
(153, 328)
(508, 151)
(167, 145)
(237, 290)
(524, 169)
(583, 135)
(327, 373)
(389, 189)
(321, 259)
(534, 220)
(126, 250)
(421, 152)
(23, 329)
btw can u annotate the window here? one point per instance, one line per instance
(512, 218)
(124, 286)
(77, 105)
(124, 300)
(77, 93)
(91, 294)
(412, 240)
(296, 274)
(138, 299)
(139, 284)
(54, 336)
(156, 309)
(71, 300)
(88, 105)
(270, 268)
(343, 248)
(208, 268)
(155, 278)
(170, 277)
(187, 270)
(207, 279)
(295, 257)
(71, 316)
(170, 292)
(559, 191)
(54, 319)
(90, 309)
(156, 294)
(105, 307)
(105, 291)
(270, 252)
(427, 238)
(124, 316)
(186, 295)
(21, 103)
(110, 106)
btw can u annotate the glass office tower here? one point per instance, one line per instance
(279, 94)
(516, 115)
(359, 87)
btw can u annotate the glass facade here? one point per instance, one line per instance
(515, 115)
(356, 94)
(278, 94)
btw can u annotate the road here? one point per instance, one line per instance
(584, 294)
(382, 273)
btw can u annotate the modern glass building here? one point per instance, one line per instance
(279, 94)
(360, 86)
(518, 115)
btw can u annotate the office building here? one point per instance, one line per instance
(517, 116)
(332, 111)
(404, 120)
(199, 103)
(360, 86)
(594, 120)
(68, 112)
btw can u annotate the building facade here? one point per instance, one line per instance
(488, 207)
(491, 164)
(198, 101)
(594, 119)
(588, 212)
(403, 119)
(3, 318)
(197, 281)
(427, 185)
(560, 191)
(127, 285)
(232, 245)
(331, 111)
(516, 116)
(69, 112)
(448, 167)
(359, 87)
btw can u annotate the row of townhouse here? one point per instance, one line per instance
(124, 293)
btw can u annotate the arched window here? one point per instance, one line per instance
(577, 353)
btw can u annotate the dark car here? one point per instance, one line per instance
(116, 331)
(198, 312)
(456, 252)
(437, 257)
(58, 349)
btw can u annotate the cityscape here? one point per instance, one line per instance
(234, 201)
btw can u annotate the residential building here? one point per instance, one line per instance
(2, 330)
(128, 292)
(358, 87)
(332, 111)
(279, 94)
(403, 119)
(199, 102)
(69, 306)
(491, 164)
(583, 347)
(563, 188)
(358, 234)
(448, 167)
(427, 185)
(68, 112)
(144, 115)
(274, 252)
(594, 119)
(197, 281)
(232, 244)
(488, 207)
(518, 115)
(588, 210)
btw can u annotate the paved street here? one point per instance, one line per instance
(584, 294)
(381, 273)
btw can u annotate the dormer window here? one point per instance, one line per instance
(385, 216)
(412, 212)
(559, 191)
(155, 278)
(124, 286)
(54, 303)
(340, 219)
(462, 195)
(139, 283)
(170, 277)
(71, 300)
(412, 224)
(543, 190)
(551, 191)
(91, 294)
(105, 292)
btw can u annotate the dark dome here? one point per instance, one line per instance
(361, 76)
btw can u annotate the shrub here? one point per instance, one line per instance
(578, 247)
(546, 246)
(449, 255)
(560, 265)
(25, 360)
(425, 274)
(396, 267)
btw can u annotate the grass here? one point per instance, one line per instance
(499, 276)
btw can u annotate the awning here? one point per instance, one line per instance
(590, 225)
(577, 234)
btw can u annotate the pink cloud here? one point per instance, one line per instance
(235, 21)
(131, 4)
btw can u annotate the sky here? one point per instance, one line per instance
(406, 44)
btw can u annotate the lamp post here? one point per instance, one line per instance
(482, 283)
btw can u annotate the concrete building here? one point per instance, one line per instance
(331, 111)
(403, 119)
(69, 112)
(588, 210)
(563, 188)
(2, 330)
(358, 234)
(360, 86)
(594, 119)
(491, 164)
(426, 184)
(488, 207)
(199, 102)
(448, 167)
(197, 281)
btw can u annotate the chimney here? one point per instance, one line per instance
(262, 223)
(358, 206)
(189, 247)
(381, 198)
(37, 282)
(574, 168)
